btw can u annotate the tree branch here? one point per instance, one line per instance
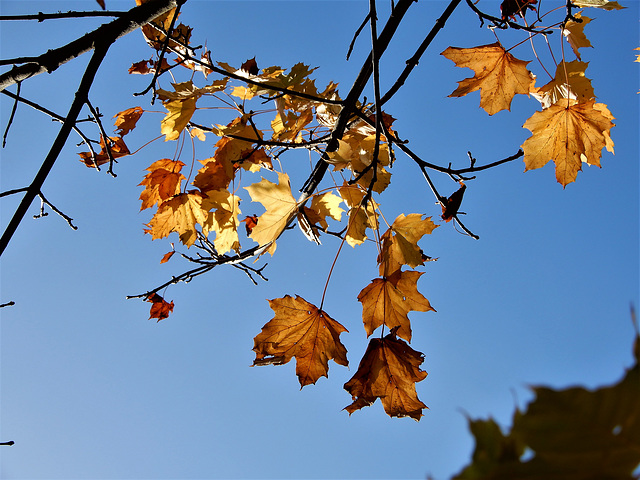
(107, 33)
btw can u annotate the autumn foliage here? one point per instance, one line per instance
(270, 111)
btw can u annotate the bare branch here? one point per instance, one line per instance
(108, 33)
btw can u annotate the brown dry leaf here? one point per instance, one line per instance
(301, 330)
(389, 370)
(511, 8)
(569, 82)
(574, 33)
(160, 308)
(181, 214)
(498, 75)
(127, 119)
(250, 222)
(388, 300)
(161, 183)
(101, 3)
(451, 205)
(280, 207)
(167, 256)
(568, 133)
(117, 147)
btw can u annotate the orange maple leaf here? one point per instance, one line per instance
(161, 183)
(568, 133)
(117, 147)
(301, 330)
(498, 75)
(280, 207)
(127, 119)
(388, 300)
(389, 370)
(160, 308)
(250, 222)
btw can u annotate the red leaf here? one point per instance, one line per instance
(251, 221)
(160, 308)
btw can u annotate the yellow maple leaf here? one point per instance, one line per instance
(180, 214)
(574, 33)
(568, 133)
(223, 219)
(181, 104)
(301, 330)
(388, 300)
(389, 370)
(498, 75)
(360, 218)
(569, 82)
(604, 4)
(400, 243)
(280, 207)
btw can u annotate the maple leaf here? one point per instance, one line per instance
(451, 205)
(224, 220)
(161, 183)
(167, 256)
(498, 75)
(360, 218)
(160, 308)
(301, 330)
(570, 82)
(574, 33)
(250, 66)
(322, 206)
(388, 300)
(127, 119)
(117, 147)
(280, 207)
(180, 214)
(389, 371)
(181, 104)
(250, 222)
(511, 8)
(604, 4)
(568, 133)
(571, 433)
(400, 243)
(146, 67)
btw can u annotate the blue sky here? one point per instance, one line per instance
(91, 389)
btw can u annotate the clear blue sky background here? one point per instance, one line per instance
(92, 389)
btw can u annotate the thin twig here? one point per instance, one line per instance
(41, 17)
(68, 219)
(107, 140)
(13, 113)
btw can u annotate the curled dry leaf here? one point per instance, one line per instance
(160, 308)
(389, 370)
(451, 205)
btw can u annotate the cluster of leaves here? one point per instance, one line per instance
(568, 433)
(204, 211)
